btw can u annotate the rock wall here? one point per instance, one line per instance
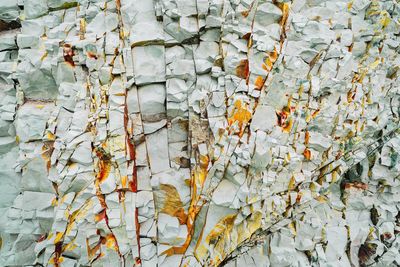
(199, 133)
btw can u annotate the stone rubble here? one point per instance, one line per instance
(199, 133)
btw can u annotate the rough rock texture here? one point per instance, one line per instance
(199, 133)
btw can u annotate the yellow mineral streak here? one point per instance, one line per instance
(124, 180)
(285, 13)
(225, 237)
(173, 205)
(70, 246)
(221, 229)
(288, 126)
(241, 115)
(197, 182)
(59, 237)
(307, 154)
(53, 260)
(111, 242)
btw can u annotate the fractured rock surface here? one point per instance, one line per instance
(199, 133)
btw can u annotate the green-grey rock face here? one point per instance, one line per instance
(199, 133)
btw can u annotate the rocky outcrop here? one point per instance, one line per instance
(199, 133)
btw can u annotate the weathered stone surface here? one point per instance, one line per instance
(9, 10)
(31, 120)
(199, 133)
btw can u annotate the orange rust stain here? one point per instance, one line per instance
(104, 165)
(299, 196)
(101, 198)
(41, 238)
(307, 154)
(356, 185)
(91, 55)
(98, 256)
(100, 216)
(133, 185)
(242, 70)
(270, 60)
(57, 253)
(350, 96)
(259, 83)
(130, 150)
(137, 225)
(48, 166)
(315, 113)
(245, 13)
(56, 261)
(273, 56)
(68, 53)
(283, 118)
(99, 194)
(306, 137)
(241, 115)
(386, 235)
(192, 214)
(59, 239)
(47, 150)
(92, 251)
(267, 65)
(288, 126)
(246, 36)
(111, 242)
